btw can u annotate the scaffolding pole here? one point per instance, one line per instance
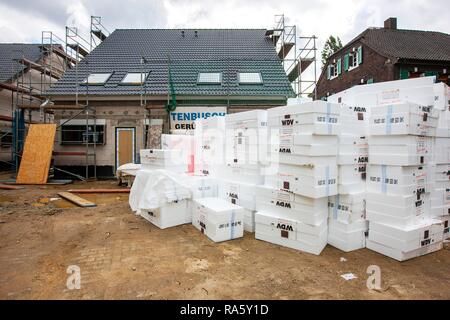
(296, 53)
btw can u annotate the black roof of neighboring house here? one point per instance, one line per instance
(10, 52)
(200, 50)
(405, 44)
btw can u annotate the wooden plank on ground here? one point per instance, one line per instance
(99, 190)
(76, 199)
(37, 154)
(6, 187)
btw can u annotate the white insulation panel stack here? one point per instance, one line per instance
(171, 160)
(292, 206)
(347, 225)
(400, 181)
(209, 137)
(218, 219)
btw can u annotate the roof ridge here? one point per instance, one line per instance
(193, 29)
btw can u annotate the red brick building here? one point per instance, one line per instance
(386, 54)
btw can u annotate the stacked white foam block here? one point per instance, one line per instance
(292, 207)
(347, 225)
(218, 219)
(201, 187)
(241, 194)
(171, 160)
(169, 215)
(440, 196)
(246, 145)
(245, 159)
(184, 143)
(209, 141)
(399, 181)
(160, 197)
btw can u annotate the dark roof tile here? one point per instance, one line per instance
(226, 50)
(10, 52)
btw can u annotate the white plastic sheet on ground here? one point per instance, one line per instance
(153, 189)
(128, 169)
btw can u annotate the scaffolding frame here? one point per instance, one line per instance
(29, 95)
(296, 53)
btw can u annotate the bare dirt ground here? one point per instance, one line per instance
(121, 256)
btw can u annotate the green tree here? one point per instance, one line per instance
(332, 45)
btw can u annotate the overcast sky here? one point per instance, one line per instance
(23, 20)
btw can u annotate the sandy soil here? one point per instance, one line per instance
(121, 256)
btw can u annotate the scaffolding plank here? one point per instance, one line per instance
(99, 34)
(76, 199)
(78, 48)
(47, 70)
(275, 38)
(37, 154)
(12, 87)
(284, 50)
(294, 73)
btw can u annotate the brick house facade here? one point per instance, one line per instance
(386, 54)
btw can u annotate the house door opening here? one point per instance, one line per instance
(125, 146)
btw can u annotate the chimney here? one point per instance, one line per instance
(391, 23)
(182, 33)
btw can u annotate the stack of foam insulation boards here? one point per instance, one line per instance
(183, 143)
(161, 197)
(400, 180)
(408, 177)
(347, 225)
(440, 195)
(245, 160)
(292, 207)
(218, 219)
(209, 139)
(167, 159)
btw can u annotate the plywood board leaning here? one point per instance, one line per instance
(37, 154)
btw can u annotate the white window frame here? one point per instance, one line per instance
(353, 57)
(335, 70)
(106, 74)
(209, 82)
(142, 81)
(250, 82)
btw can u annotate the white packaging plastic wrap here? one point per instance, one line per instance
(153, 189)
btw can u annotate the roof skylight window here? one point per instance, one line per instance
(97, 78)
(135, 78)
(250, 77)
(210, 77)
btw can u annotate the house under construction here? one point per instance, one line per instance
(117, 92)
